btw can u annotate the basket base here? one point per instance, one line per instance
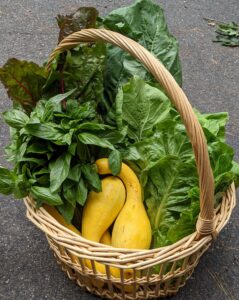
(100, 289)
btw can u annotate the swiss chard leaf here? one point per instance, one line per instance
(84, 17)
(214, 124)
(186, 224)
(23, 81)
(81, 69)
(163, 158)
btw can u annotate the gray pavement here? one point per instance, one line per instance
(211, 76)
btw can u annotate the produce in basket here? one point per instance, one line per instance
(99, 112)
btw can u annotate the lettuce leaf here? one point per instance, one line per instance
(148, 112)
(165, 160)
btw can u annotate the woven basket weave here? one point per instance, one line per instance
(175, 263)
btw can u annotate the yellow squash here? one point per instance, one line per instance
(56, 215)
(101, 209)
(132, 228)
(106, 238)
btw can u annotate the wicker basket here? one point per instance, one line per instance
(174, 263)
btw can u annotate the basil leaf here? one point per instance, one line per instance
(22, 186)
(69, 193)
(7, 181)
(75, 192)
(38, 148)
(72, 148)
(75, 173)
(115, 162)
(15, 118)
(91, 176)
(91, 139)
(79, 111)
(81, 192)
(53, 104)
(46, 131)
(93, 126)
(67, 210)
(38, 161)
(45, 195)
(59, 170)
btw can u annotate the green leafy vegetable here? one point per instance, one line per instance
(144, 22)
(160, 152)
(227, 34)
(99, 102)
(140, 107)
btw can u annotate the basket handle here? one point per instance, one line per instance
(205, 223)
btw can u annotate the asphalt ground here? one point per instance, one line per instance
(211, 81)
